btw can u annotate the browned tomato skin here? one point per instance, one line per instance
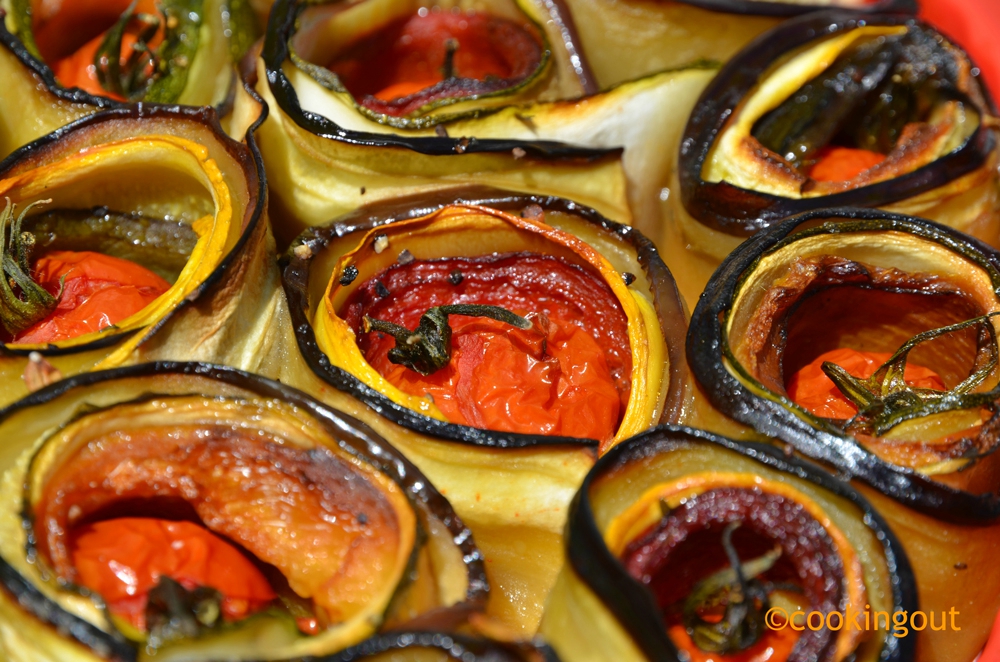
(225, 479)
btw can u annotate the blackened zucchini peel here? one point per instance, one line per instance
(825, 82)
(795, 8)
(159, 186)
(425, 568)
(661, 513)
(189, 61)
(317, 261)
(325, 158)
(930, 277)
(430, 646)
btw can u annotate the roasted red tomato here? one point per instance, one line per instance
(98, 291)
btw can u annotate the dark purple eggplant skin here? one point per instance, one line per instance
(295, 277)
(762, 8)
(353, 436)
(635, 606)
(741, 212)
(455, 646)
(705, 349)
(281, 27)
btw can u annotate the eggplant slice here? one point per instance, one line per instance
(202, 227)
(208, 447)
(659, 524)
(775, 344)
(833, 110)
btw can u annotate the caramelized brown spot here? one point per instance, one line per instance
(331, 532)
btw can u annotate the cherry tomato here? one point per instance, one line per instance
(99, 291)
(123, 559)
(812, 389)
(409, 56)
(842, 164)
(568, 375)
(74, 66)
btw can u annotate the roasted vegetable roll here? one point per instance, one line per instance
(544, 330)
(378, 99)
(194, 512)
(831, 110)
(867, 340)
(131, 235)
(682, 545)
(626, 39)
(161, 51)
(497, 313)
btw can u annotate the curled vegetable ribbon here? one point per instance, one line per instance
(885, 400)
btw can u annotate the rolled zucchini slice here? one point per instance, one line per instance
(159, 51)
(131, 235)
(684, 545)
(867, 340)
(519, 514)
(447, 313)
(626, 39)
(195, 512)
(833, 110)
(330, 150)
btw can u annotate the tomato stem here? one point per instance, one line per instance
(175, 613)
(742, 624)
(17, 314)
(885, 400)
(133, 78)
(448, 68)
(427, 348)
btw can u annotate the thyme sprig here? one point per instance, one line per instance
(885, 400)
(131, 79)
(34, 304)
(427, 348)
(745, 599)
